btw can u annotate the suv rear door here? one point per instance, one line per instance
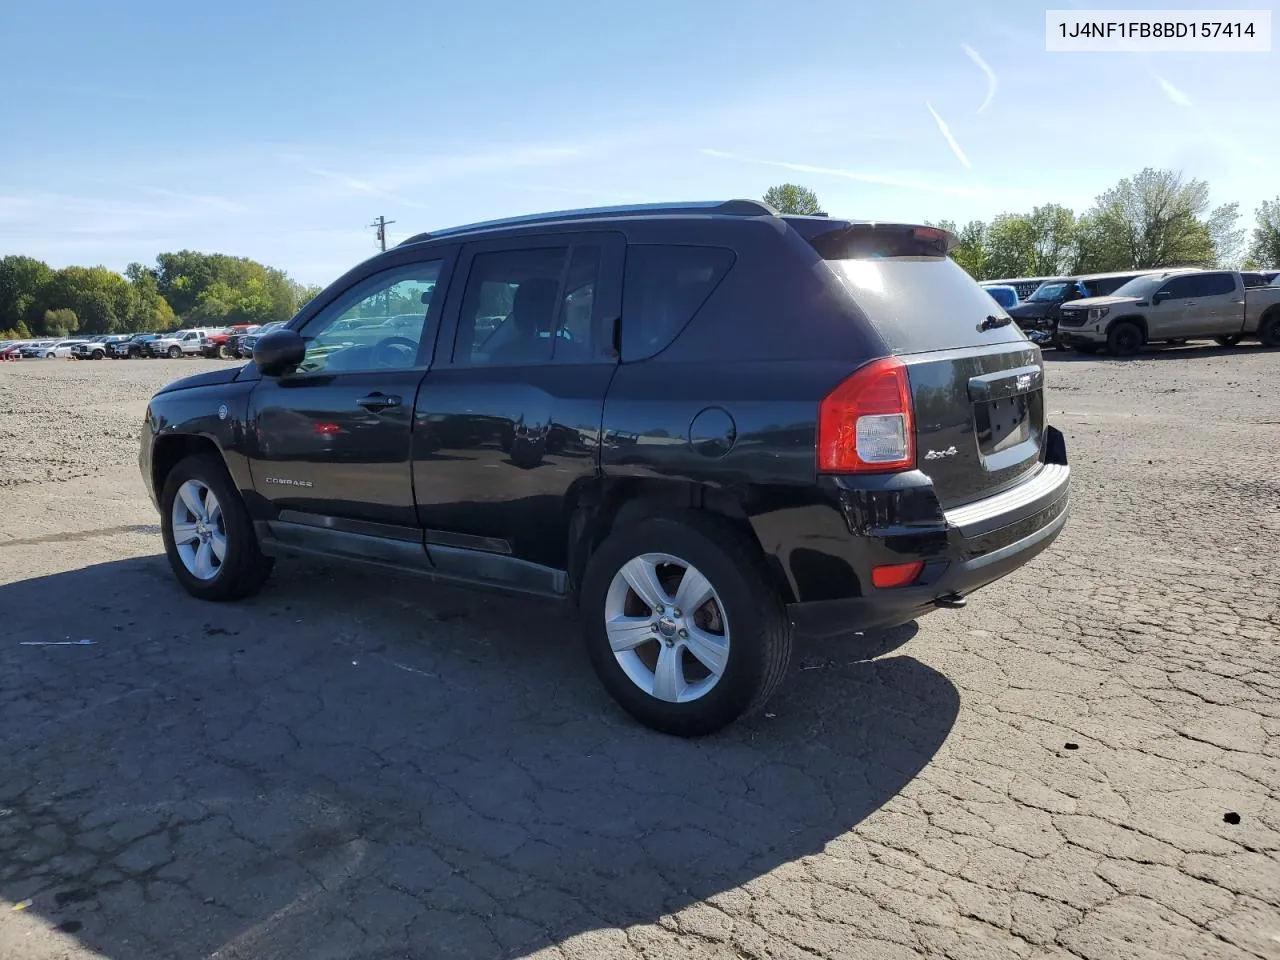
(508, 421)
(977, 383)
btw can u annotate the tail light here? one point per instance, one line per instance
(866, 425)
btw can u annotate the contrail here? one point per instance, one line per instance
(946, 134)
(992, 80)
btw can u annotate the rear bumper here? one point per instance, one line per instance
(963, 549)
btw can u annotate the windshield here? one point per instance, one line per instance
(1052, 292)
(1140, 287)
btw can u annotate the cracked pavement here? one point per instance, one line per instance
(1083, 763)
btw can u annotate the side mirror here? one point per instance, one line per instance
(1161, 296)
(278, 352)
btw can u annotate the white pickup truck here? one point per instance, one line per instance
(1174, 306)
(181, 343)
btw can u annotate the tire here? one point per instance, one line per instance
(97, 355)
(1226, 341)
(223, 353)
(1269, 331)
(1124, 339)
(175, 352)
(743, 602)
(50, 356)
(243, 568)
(1087, 348)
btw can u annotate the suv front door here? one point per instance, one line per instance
(330, 441)
(508, 423)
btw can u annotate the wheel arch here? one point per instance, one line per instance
(599, 506)
(1136, 319)
(172, 448)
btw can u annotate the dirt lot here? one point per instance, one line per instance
(1085, 762)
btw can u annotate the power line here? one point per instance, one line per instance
(381, 226)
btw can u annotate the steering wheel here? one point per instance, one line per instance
(394, 351)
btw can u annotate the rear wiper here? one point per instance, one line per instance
(992, 322)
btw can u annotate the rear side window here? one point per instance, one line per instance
(1200, 285)
(1218, 284)
(663, 287)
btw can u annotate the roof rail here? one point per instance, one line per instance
(728, 208)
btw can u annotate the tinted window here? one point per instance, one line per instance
(1108, 285)
(1200, 285)
(1253, 279)
(1217, 284)
(379, 324)
(663, 287)
(536, 305)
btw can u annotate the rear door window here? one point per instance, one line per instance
(1217, 284)
(663, 287)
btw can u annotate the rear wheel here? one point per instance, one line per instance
(175, 353)
(223, 352)
(683, 624)
(1226, 341)
(208, 536)
(1124, 339)
(1269, 331)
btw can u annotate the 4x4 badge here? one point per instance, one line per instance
(940, 454)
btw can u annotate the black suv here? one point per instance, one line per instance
(708, 426)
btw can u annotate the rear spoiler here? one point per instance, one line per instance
(869, 239)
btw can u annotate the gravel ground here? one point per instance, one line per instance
(1085, 762)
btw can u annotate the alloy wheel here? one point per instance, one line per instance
(199, 530)
(667, 627)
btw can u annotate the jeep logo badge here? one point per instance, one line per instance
(223, 411)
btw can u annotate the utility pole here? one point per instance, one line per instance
(381, 226)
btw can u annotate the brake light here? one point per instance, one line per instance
(866, 424)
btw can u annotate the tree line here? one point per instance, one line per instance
(182, 289)
(1156, 218)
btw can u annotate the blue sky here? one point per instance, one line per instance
(278, 130)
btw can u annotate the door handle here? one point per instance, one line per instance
(378, 401)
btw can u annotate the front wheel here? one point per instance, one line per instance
(1227, 341)
(683, 624)
(175, 353)
(1124, 339)
(97, 355)
(208, 536)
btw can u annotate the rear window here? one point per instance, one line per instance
(663, 287)
(915, 297)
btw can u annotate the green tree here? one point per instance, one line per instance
(60, 323)
(1053, 240)
(100, 298)
(1011, 246)
(22, 281)
(793, 198)
(148, 310)
(1264, 246)
(970, 250)
(1156, 219)
(215, 288)
(17, 332)
(304, 293)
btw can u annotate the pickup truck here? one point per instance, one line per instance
(188, 343)
(1173, 306)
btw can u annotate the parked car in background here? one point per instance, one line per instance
(133, 347)
(1038, 314)
(1173, 306)
(60, 349)
(12, 351)
(34, 349)
(899, 460)
(244, 349)
(1024, 285)
(180, 343)
(98, 347)
(217, 343)
(1002, 294)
